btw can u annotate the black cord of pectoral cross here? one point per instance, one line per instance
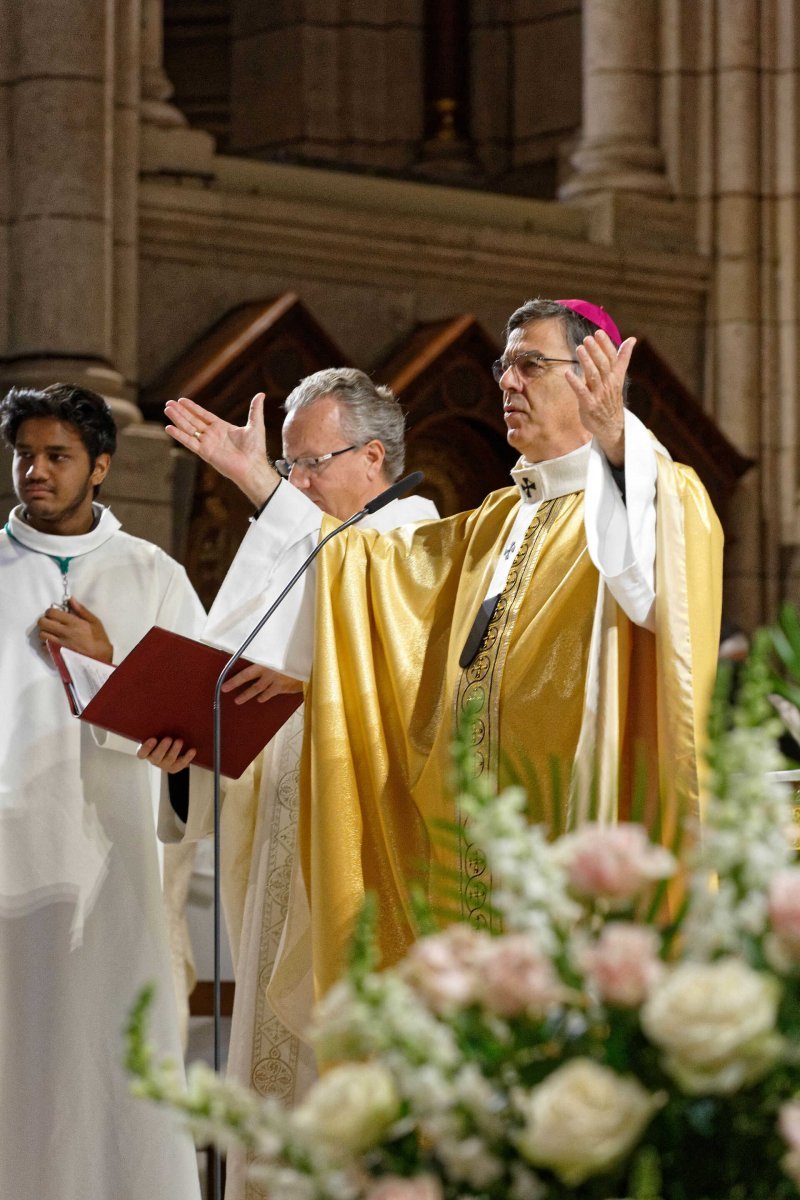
(477, 633)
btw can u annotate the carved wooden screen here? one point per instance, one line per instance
(266, 346)
(456, 432)
(667, 408)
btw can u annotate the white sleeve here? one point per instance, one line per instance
(179, 610)
(200, 820)
(621, 534)
(273, 549)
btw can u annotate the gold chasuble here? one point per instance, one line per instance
(561, 673)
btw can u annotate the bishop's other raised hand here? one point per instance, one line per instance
(599, 390)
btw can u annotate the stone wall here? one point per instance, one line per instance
(667, 127)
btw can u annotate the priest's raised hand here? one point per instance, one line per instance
(239, 452)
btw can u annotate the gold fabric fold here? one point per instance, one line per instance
(393, 613)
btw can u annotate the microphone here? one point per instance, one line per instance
(392, 493)
(399, 488)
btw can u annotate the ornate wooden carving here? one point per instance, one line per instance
(669, 409)
(455, 429)
(263, 346)
(456, 434)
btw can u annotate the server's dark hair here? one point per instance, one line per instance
(85, 410)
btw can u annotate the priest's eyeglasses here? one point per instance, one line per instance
(528, 365)
(285, 466)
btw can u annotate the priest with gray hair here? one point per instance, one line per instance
(343, 444)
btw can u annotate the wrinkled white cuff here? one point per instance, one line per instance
(273, 549)
(621, 534)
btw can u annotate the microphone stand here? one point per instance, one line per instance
(223, 675)
(397, 489)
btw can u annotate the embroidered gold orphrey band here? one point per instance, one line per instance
(480, 684)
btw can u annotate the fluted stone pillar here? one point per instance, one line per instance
(619, 149)
(730, 91)
(6, 59)
(739, 351)
(63, 199)
(168, 146)
(156, 87)
(125, 193)
(784, 432)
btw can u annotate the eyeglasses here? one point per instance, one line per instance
(285, 466)
(528, 365)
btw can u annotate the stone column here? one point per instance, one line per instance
(125, 196)
(156, 87)
(6, 75)
(168, 146)
(619, 147)
(323, 81)
(739, 352)
(62, 198)
(783, 432)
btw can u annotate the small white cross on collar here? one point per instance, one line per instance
(553, 477)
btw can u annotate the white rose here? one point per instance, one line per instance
(350, 1107)
(716, 1022)
(583, 1119)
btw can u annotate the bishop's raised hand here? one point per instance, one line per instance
(599, 390)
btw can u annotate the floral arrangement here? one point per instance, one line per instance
(593, 1049)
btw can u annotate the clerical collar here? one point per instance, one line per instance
(553, 478)
(70, 546)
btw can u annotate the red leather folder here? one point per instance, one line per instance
(165, 688)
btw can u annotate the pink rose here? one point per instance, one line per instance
(789, 1125)
(395, 1187)
(623, 963)
(517, 978)
(446, 967)
(784, 907)
(613, 861)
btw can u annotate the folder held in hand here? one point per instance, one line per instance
(165, 688)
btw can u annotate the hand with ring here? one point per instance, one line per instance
(239, 452)
(599, 388)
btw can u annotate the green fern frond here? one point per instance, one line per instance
(362, 958)
(422, 916)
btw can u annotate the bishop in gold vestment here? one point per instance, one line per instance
(599, 577)
(562, 672)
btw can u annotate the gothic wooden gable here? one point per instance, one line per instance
(262, 346)
(667, 408)
(442, 373)
(456, 433)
